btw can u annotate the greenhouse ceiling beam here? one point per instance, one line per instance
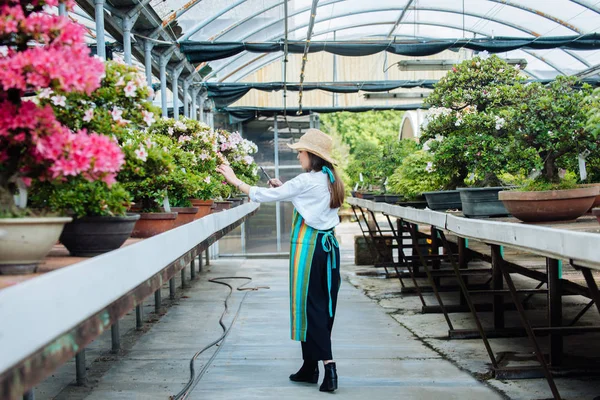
(207, 21)
(402, 14)
(588, 5)
(326, 18)
(428, 24)
(435, 9)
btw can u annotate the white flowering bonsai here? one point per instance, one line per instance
(470, 128)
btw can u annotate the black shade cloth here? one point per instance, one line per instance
(197, 52)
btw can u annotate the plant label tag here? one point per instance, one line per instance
(360, 176)
(582, 170)
(21, 197)
(166, 204)
(356, 187)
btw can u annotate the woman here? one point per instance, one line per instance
(314, 254)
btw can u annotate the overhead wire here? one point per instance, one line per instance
(311, 24)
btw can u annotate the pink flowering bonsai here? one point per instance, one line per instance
(42, 51)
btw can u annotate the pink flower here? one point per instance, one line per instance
(88, 115)
(59, 101)
(148, 117)
(130, 89)
(203, 156)
(141, 154)
(207, 179)
(117, 114)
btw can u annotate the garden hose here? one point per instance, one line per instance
(191, 384)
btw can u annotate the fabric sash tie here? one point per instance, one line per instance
(328, 241)
(327, 171)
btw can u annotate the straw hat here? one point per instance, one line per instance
(316, 142)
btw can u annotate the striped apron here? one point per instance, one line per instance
(303, 244)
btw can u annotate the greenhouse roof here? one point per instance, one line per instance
(233, 40)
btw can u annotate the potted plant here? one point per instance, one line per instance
(362, 169)
(116, 109)
(197, 139)
(469, 135)
(551, 120)
(414, 177)
(34, 145)
(238, 153)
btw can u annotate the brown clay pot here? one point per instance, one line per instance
(551, 205)
(205, 207)
(222, 205)
(185, 215)
(597, 201)
(151, 224)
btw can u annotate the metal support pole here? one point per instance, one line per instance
(277, 204)
(335, 95)
(115, 337)
(201, 116)
(200, 262)
(172, 288)
(463, 261)
(554, 310)
(186, 101)
(62, 9)
(139, 316)
(80, 371)
(148, 45)
(183, 277)
(174, 88)
(100, 40)
(30, 395)
(194, 103)
(127, 25)
(207, 258)
(497, 284)
(193, 269)
(157, 301)
(164, 60)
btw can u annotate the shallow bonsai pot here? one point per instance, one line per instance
(379, 198)
(550, 205)
(443, 200)
(91, 236)
(185, 215)
(205, 207)
(596, 212)
(392, 198)
(597, 201)
(222, 205)
(482, 202)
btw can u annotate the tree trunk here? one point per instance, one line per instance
(550, 170)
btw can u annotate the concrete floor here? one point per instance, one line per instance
(384, 347)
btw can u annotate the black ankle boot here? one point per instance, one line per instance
(309, 372)
(330, 381)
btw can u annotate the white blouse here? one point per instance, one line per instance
(309, 193)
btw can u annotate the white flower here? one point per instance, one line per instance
(45, 93)
(203, 156)
(550, 133)
(149, 143)
(130, 89)
(478, 63)
(518, 67)
(120, 82)
(180, 125)
(207, 179)
(426, 145)
(499, 122)
(148, 117)
(3, 51)
(88, 115)
(429, 167)
(248, 160)
(117, 114)
(501, 70)
(141, 154)
(484, 55)
(170, 131)
(458, 122)
(59, 100)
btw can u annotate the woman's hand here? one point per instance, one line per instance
(228, 174)
(275, 183)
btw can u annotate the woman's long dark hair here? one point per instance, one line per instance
(336, 189)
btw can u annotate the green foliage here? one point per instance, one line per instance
(469, 127)
(552, 120)
(80, 198)
(415, 175)
(365, 160)
(393, 152)
(357, 128)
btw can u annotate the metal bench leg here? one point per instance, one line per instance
(29, 395)
(554, 310)
(530, 334)
(172, 288)
(80, 371)
(182, 277)
(417, 248)
(157, 301)
(115, 337)
(465, 290)
(193, 268)
(139, 316)
(200, 262)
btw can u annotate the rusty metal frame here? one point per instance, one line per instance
(42, 362)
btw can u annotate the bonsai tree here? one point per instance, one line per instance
(44, 52)
(415, 175)
(468, 129)
(551, 120)
(365, 161)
